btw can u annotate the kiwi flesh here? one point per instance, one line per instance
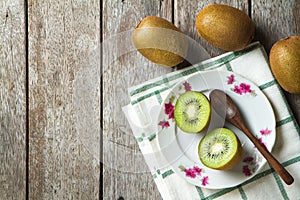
(220, 149)
(192, 112)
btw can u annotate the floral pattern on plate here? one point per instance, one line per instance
(170, 105)
(251, 162)
(239, 88)
(263, 134)
(195, 172)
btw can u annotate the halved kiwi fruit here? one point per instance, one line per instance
(220, 149)
(192, 112)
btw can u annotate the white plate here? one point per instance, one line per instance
(181, 149)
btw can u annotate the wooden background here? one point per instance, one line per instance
(61, 95)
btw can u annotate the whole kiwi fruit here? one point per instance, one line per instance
(225, 27)
(160, 41)
(285, 63)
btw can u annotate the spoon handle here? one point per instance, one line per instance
(281, 171)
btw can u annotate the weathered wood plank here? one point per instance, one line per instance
(294, 102)
(12, 101)
(276, 20)
(185, 14)
(124, 167)
(64, 98)
(273, 22)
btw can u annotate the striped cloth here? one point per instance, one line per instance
(251, 63)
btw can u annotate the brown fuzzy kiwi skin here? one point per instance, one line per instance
(285, 63)
(154, 21)
(225, 27)
(170, 47)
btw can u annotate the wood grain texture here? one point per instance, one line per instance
(64, 98)
(185, 14)
(294, 102)
(12, 101)
(125, 172)
(65, 90)
(274, 21)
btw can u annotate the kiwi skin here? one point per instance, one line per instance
(285, 63)
(225, 27)
(234, 161)
(166, 45)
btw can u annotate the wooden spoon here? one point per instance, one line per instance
(226, 108)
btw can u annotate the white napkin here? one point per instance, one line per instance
(251, 63)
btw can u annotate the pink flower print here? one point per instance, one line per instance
(246, 170)
(164, 124)
(190, 173)
(248, 159)
(265, 131)
(169, 110)
(245, 88)
(230, 79)
(205, 180)
(187, 86)
(197, 170)
(237, 89)
(261, 141)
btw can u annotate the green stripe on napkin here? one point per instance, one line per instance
(167, 173)
(200, 192)
(280, 185)
(243, 194)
